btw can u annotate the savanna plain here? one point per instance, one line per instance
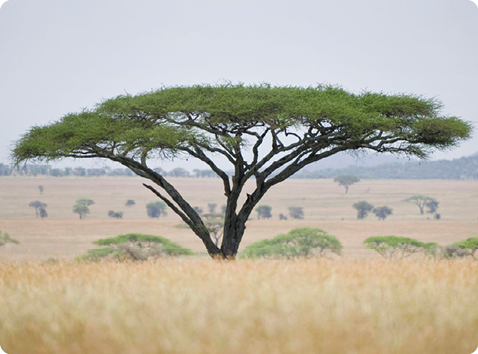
(357, 303)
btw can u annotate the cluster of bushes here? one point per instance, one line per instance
(264, 212)
(308, 242)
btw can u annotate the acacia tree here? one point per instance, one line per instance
(423, 200)
(346, 181)
(362, 208)
(266, 133)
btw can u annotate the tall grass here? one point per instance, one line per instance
(202, 306)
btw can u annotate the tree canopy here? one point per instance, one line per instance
(265, 132)
(346, 181)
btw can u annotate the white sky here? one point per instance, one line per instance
(58, 56)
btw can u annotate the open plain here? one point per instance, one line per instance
(63, 235)
(359, 304)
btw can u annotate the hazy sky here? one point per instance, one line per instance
(58, 56)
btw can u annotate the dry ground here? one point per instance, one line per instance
(326, 206)
(197, 306)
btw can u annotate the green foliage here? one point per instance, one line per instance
(362, 208)
(5, 238)
(382, 212)
(296, 212)
(137, 247)
(346, 181)
(264, 212)
(37, 205)
(86, 202)
(423, 200)
(300, 242)
(121, 119)
(81, 210)
(395, 247)
(156, 209)
(469, 244)
(130, 202)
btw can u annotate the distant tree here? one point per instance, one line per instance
(212, 207)
(156, 209)
(263, 212)
(37, 205)
(43, 213)
(81, 210)
(41, 189)
(223, 209)
(296, 212)
(197, 210)
(282, 217)
(382, 212)
(137, 247)
(421, 201)
(437, 217)
(5, 238)
(363, 209)
(86, 202)
(394, 247)
(116, 215)
(346, 181)
(300, 242)
(432, 206)
(130, 202)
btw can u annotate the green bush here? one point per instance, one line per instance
(395, 247)
(470, 244)
(300, 242)
(136, 247)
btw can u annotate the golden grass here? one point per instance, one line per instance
(201, 306)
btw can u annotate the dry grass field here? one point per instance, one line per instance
(359, 304)
(199, 306)
(62, 235)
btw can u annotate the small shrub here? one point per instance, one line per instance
(115, 214)
(382, 212)
(296, 212)
(197, 210)
(300, 242)
(282, 217)
(263, 212)
(394, 247)
(130, 202)
(156, 209)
